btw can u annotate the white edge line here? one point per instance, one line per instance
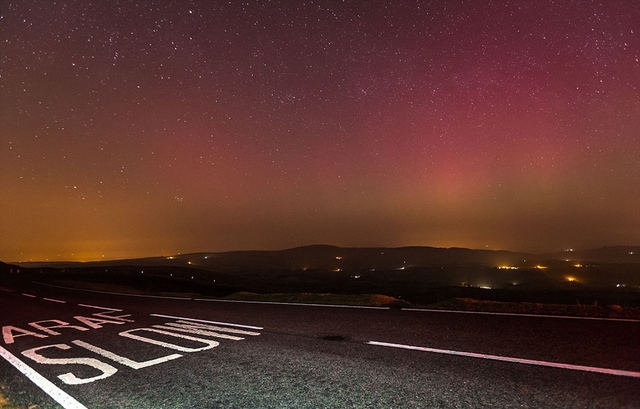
(583, 368)
(67, 401)
(294, 303)
(29, 295)
(152, 296)
(54, 300)
(337, 306)
(511, 314)
(205, 321)
(113, 293)
(218, 300)
(100, 308)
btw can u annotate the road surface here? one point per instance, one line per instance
(79, 349)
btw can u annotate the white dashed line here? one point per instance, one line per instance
(29, 295)
(100, 308)
(520, 315)
(295, 303)
(54, 300)
(205, 321)
(583, 368)
(60, 396)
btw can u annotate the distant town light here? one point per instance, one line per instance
(539, 267)
(570, 279)
(578, 265)
(508, 267)
(338, 258)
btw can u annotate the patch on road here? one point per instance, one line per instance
(333, 338)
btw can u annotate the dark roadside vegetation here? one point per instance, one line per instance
(448, 278)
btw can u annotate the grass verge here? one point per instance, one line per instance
(375, 300)
(468, 304)
(120, 289)
(379, 300)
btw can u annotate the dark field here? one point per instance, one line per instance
(603, 290)
(603, 281)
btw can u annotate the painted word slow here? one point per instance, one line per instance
(178, 337)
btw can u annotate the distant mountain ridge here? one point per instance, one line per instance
(607, 254)
(323, 257)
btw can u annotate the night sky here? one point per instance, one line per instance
(133, 129)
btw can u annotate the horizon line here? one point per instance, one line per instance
(180, 254)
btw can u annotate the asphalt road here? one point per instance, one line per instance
(75, 349)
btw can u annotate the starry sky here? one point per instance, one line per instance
(132, 129)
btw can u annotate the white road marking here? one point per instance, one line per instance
(100, 308)
(205, 321)
(50, 331)
(343, 306)
(123, 360)
(197, 331)
(213, 299)
(583, 368)
(29, 295)
(208, 343)
(154, 296)
(60, 396)
(114, 293)
(54, 300)
(520, 315)
(213, 328)
(295, 303)
(69, 378)
(10, 333)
